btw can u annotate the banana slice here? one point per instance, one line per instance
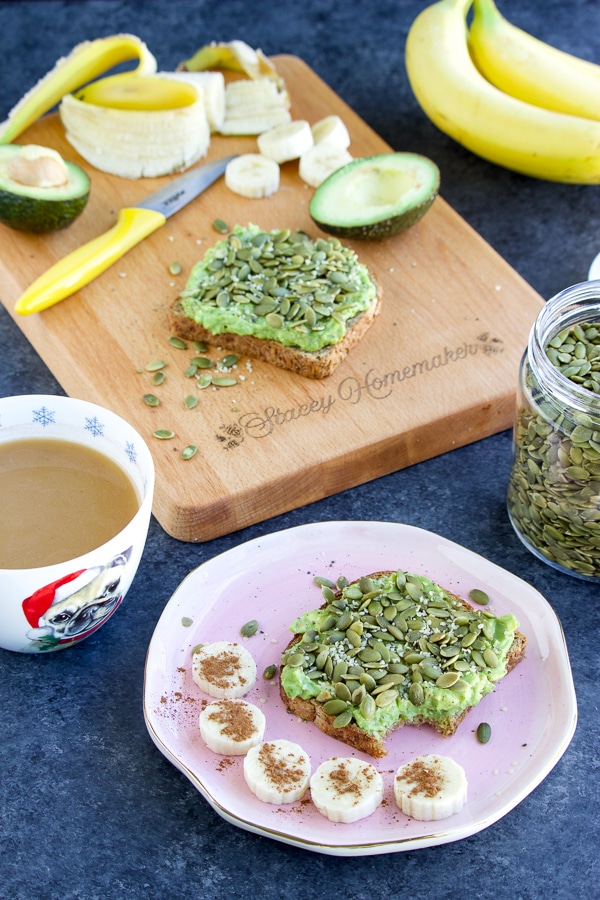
(224, 669)
(231, 727)
(286, 142)
(333, 130)
(277, 771)
(346, 790)
(430, 788)
(252, 175)
(320, 161)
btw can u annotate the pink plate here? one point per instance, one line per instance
(532, 712)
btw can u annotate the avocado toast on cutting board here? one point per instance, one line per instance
(437, 369)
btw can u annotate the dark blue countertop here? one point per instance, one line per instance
(88, 806)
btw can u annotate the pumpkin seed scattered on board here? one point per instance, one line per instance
(189, 451)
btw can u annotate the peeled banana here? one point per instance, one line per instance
(85, 62)
(502, 129)
(525, 67)
(212, 87)
(136, 127)
(254, 106)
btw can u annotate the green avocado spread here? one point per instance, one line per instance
(415, 652)
(279, 286)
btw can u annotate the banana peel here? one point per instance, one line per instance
(84, 63)
(234, 56)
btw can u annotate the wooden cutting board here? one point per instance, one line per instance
(436, 371)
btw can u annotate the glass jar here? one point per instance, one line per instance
(554, 484)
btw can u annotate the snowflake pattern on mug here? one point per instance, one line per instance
(44, 416)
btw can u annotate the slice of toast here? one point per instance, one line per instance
(310, 364)
(342, 318)
(507, 646)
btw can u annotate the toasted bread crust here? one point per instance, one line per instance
(312, 710)
(316, 364)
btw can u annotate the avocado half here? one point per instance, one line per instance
(39, 190)
(375, 197)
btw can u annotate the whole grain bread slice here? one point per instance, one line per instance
(317, 364)
(312, 710)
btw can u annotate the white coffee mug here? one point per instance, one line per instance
(55, 606)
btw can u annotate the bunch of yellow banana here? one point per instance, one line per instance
(504, 95)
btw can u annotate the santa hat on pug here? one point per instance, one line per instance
(41, 600)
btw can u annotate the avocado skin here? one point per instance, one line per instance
(387, 226)
(377, 231)
(25, 210)
(38, 216)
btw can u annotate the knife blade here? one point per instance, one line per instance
(133, 224)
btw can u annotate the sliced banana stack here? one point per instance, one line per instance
(277, 771)
(137, 126)
(212, 87)
(223, 670)
(430, 787)
(231, 727)
(252, 175)
(286, 142)
(346, 790)
(254, 106)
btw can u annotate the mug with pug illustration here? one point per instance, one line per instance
(77, 484)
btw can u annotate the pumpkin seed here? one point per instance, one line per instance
(484, 732)
(155, 365)
(270, 672)
(447, 680)
(343, 718)
(479, 596)
(220, 226)
(163, 434)
(190, 401)
(189, 451)
(151, 400)
(175, 268)
(334, 707)
(223, 381)
(249, 628)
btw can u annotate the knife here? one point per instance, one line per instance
(133, 225)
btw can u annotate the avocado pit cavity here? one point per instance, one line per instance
(375, 197)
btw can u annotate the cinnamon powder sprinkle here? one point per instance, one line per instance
(218, 668)
(284, 773)
(236, 719)
(427, 779)
(343, 782)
